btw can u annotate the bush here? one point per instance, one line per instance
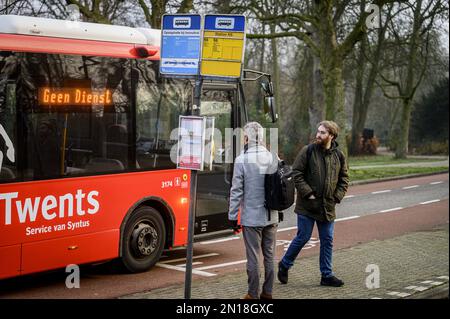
(432, 148)
(367, 146)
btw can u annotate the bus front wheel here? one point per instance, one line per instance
(143, 239)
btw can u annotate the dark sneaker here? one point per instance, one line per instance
(282, 273)
(331, 281)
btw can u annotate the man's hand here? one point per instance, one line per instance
(236, 227)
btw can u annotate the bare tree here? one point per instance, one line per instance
(365, 78)
(330, 36)
(408, 59)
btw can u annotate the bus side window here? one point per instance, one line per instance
(117, 143)
(46, 145)
(159, 103)
(8, 140)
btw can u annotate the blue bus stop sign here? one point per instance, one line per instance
(180, 44)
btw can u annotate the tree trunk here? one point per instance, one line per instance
(316, 109)
(335, 100)
(276, 76)
(357, 120)
(158, 9)
(259, 96)
(363, 97)
(402, 148)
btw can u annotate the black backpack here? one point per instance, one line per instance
(279, 188)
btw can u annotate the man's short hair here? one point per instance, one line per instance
(331, 127)
(254, 131)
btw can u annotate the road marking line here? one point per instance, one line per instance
(399, 294)
(433, 283)
(222, 265)
(418, 288)
(336, 220)
(183, 269)
(430, 201)
(384, 191)
(286, 229)
(409, 187)
(176, 248)
(349, 196)
(390, 210)
(184, 259)
(218, 240)
(376, 298)
(436, 283)
(393, 293)
(346, 218)
(443, 277)
(435, 183)
(194, 263)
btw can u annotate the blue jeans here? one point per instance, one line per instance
(305, 227)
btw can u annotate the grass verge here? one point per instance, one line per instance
(375, 173)
(386, 159)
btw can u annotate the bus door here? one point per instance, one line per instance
(213, 186)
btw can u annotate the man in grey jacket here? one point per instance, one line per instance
(247, 194)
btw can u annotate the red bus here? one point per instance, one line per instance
(85, 168)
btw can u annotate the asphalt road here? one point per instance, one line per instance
(369, 212)
(363, 200)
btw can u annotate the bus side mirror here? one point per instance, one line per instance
(270, 109)
(267, 88)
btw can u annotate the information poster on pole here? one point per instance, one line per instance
(180, 44)
(191, 141)
(223, 45)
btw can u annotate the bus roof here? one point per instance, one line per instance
(23, 25)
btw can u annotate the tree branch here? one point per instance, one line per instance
(186, 6)
(354, 36)
(387, 95)
(147, 14)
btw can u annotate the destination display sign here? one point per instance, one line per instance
(180, 44)
(223, 45)
(73, 96)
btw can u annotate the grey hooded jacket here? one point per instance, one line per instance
(247, 190)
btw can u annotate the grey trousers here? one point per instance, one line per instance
(256, 238)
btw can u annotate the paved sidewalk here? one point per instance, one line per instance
(410, 266)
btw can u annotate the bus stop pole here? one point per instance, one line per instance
(193, 200)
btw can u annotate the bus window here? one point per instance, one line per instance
(8, 138)
(159, 103)
(213, 187)
(75, 115)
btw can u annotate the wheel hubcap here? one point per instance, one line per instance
(144, 240)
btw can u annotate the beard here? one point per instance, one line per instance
(322, 142)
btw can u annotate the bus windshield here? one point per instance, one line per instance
(68, 115)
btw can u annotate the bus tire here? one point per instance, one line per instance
(143, 239)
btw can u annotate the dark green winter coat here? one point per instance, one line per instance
(325, 175)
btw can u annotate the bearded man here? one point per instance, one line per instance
(321, 180)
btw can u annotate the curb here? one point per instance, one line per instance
(393, 178)
(438, 292)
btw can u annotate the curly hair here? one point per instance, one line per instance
(331, 127)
